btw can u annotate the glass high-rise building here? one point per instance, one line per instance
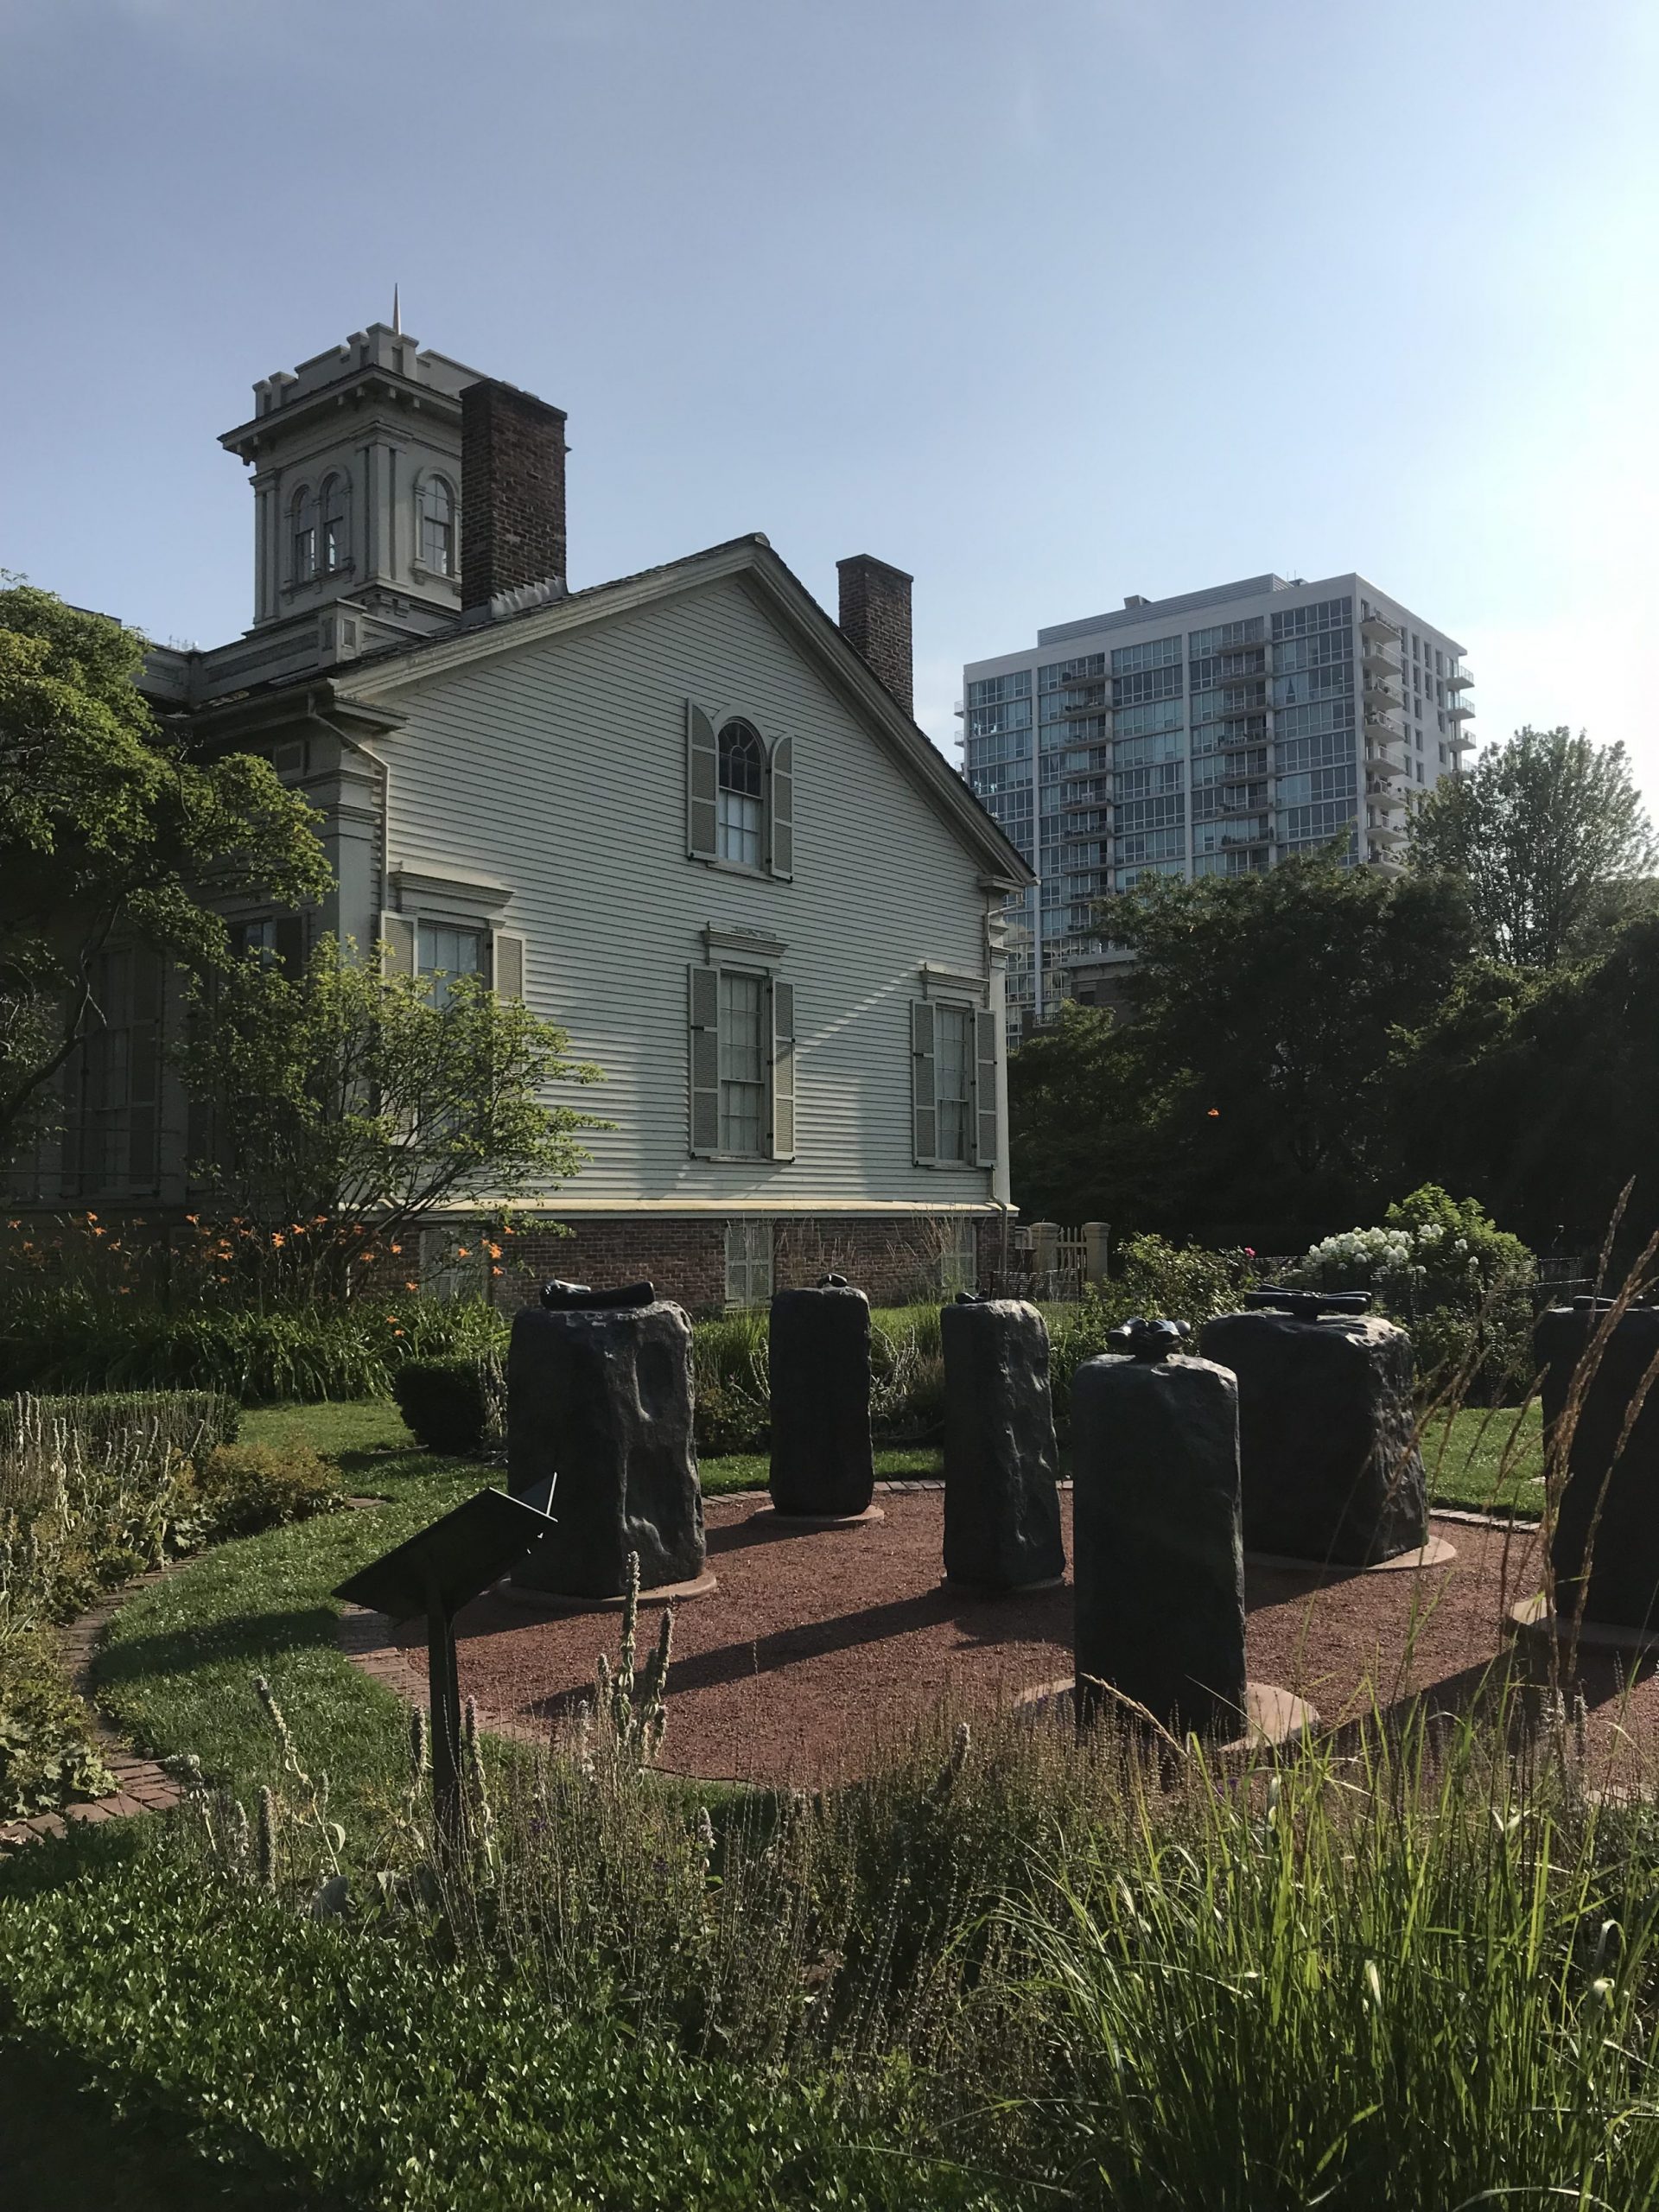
(1212, 733)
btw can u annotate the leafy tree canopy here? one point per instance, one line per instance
(1548, 835)
(349, 1105)
(1269, 1002)
(110, 828)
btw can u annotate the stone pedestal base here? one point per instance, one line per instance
(559, 1601)
(1272, 1716)
(1435, 1552)
(866, 1519)
(1532, 1616)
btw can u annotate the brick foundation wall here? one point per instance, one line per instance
(893, 1259)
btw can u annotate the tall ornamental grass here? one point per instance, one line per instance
(1413, 1964)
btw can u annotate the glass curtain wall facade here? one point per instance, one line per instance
(1275, 718)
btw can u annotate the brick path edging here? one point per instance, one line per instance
(142, 1785)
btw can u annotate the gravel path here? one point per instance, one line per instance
(819, 1644)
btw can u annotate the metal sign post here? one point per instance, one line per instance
(436, 1573)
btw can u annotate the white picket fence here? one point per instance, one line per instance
(1051, 1264)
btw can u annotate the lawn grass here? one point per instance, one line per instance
(1487, 1460)
(1463, 1452)
(368, 1438)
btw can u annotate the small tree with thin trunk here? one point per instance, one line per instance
(1550, 837)
(348, 1107)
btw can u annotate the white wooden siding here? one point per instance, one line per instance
(560, 768)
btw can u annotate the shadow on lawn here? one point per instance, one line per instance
(181, 1651)
(64, 2146)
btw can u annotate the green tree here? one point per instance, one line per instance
(1246, 1097)
(1548, 834)
(110, 828)
(1539, 1093)
(348, 1105)
(1085, 1110)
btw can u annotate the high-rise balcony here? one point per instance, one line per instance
(1376, 660)
(1380, 693)
(1383, 862)
(1379, 760)
(1459, 678)
(1461, 739)
(1384, 834)
(1375, 629)
(1462, 711)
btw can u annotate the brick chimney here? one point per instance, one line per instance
(511, 492)
(875, 621)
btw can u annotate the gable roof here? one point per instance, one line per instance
(374, 681)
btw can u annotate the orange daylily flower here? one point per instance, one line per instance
(278, 1237)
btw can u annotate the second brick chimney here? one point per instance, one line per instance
(875, 621)
(511, 492)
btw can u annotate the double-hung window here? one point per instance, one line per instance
(443, 953)
(954, 1053)
(741, 1063)
(953, 1049)
(739, 795)
(742, 784)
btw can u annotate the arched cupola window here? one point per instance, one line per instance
(743, 789)
(302, 534)
(334, 529)
(437, 502)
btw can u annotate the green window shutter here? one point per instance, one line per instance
(783, 1069)
(781, 848)
(398, 938)
(923, 1094)
(702, 784)
(702, 998)
(984, 1087)
(507, 965)
(290, 943)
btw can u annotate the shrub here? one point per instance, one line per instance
(454, 1405)
(1163, 1281)
(245, 1487)
(48, 1754)
(68, 1339)
(389, 2071)
(1442, 1268)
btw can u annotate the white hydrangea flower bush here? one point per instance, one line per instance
(1442, 1268)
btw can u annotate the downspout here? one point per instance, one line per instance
(997, 962)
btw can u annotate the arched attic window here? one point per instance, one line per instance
(436, 502)
(331, 516)
(302, 534)
(742, 790)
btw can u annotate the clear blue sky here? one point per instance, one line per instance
(1048, 301)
